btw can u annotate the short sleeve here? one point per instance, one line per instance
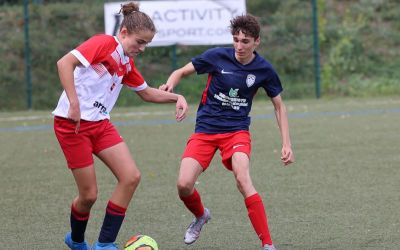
(134, 78)
(94, 50)
(273, 86)
(204, 63)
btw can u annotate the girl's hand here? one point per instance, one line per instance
(74, 114)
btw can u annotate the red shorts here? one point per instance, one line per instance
(93, 137)
(202, 147)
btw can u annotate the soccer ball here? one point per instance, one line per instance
(141, 242)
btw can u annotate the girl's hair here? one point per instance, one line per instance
(247, 24)
(135, 20)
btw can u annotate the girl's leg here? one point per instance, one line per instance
(85, 179)
(120, 162)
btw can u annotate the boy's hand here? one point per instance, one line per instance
(287, 155)
(166, 87)
(181, 108)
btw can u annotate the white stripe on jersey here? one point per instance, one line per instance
(80, 57)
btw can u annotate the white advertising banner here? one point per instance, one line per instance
(195, 22)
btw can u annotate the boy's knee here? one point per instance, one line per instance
(184, 187)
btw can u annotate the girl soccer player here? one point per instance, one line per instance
(234, 76)
(92, 76)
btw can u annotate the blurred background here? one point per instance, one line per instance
(358, 44)
(342, 192)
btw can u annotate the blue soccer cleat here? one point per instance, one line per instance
(105, 246)
(75, 245)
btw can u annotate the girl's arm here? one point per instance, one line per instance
(150, 94)
(66, 66)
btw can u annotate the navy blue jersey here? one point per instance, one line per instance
(231, 86)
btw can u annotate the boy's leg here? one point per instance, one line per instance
(189, 172)
(253, 201)
(196, 158)
(258, 218)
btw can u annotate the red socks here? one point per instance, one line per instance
(258, 218)
(255, 208)
(193, 203)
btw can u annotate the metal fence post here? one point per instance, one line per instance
(316, 50)
(28, 78)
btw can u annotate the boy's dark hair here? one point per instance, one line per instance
(247, 24)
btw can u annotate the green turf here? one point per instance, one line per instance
(342, 192)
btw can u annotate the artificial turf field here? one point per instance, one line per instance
(343, 192)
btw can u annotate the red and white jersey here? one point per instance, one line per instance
(99, 80)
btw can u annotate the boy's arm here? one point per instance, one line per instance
(176, 76)
(281, 117)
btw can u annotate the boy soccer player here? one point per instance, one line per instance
(234, 76)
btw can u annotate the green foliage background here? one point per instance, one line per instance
(359, 42)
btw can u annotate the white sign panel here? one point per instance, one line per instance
(196, 22)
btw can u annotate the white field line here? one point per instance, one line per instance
(127, 114)
(49, 117)
(259, 106)
(25, 118)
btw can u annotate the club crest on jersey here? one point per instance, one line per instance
(250, 80)
(233, 92)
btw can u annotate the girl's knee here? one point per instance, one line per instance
(132, 180)
(88, 198)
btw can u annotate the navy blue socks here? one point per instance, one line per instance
(79, 221)
(112, 223)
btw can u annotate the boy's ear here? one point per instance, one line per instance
(257, 41)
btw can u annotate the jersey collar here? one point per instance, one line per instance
(120, 50)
